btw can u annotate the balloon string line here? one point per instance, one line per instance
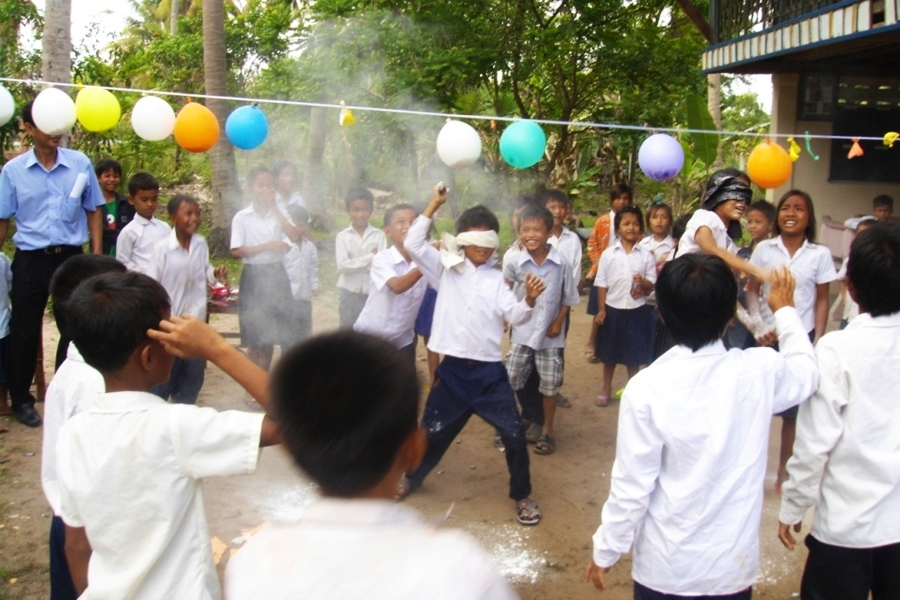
(425, 113)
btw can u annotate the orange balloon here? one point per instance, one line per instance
(196, 128)
(769, 165)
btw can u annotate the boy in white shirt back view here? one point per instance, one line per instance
(354, 249)
(135, 244)
(356, 446)
(473, 305)
(687, 483)
(130, 468)
(301, 262)
(846, 460)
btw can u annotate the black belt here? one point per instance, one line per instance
(61, 249)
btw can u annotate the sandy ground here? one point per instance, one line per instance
(468, 490)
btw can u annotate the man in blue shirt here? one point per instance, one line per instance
(53, 195)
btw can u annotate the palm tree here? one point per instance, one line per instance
(224, 186)
(56, 53)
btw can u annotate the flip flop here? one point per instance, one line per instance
(562, 401)
(498, 440)
(527, 512)
(533, 433)
(545, 445)
(404, 488)
(602, 401)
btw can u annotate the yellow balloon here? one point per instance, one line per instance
(97, 109)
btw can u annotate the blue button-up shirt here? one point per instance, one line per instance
(49, 206)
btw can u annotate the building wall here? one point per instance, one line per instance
(837, 200)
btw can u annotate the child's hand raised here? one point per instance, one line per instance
(781, 293)
(534, 287)
(439, 194)
(188, 337)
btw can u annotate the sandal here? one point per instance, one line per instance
(545, 445)
(602, 400)
(405, 487)
(498, 441)
(527, 512)
(533, 433)
(562, 401)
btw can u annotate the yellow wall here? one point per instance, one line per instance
(837, 200)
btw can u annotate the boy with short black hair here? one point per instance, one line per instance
(566, 242)
(180, 262)
(301, 262)
(539, 342)
(396, 287)
(135, 243)
(883, 207)
(117, 212)
(846, 455)
(693, 438)
(473, 306)
(149, 539)
(71, 391)
(355, 247)
(356, 447)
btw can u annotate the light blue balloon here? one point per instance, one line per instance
(661, 157)
(247, 127)
(522, 144)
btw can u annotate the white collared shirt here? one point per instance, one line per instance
(71, 391)
(283, 203)
(616, 272)
(561, 291)
(846, 460)
(302, 265)
(354, 254)
(693, 438)
(569, 247)
(249, 228)
(660, 248)
(398, 557)
(136, 241)
(183, 273)
(130, 472)
(851, 308)
(473, 303)
(388, 315)
(811, 265)
(704, 218)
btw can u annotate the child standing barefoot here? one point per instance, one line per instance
(625, 277)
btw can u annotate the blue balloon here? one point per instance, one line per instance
(247, 127)
(522, 144)
(661, 157)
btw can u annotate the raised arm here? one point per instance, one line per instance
(707, 243)
(427, 258)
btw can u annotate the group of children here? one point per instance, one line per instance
(123, 469)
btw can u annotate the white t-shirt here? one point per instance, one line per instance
(388, 315)
(811, 265)
(393, 556)
(130, 472)
(704, 218)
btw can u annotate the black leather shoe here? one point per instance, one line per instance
(27, 415)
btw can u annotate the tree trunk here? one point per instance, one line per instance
(714, 103)
(313, 173)
(224, 187)
(56, 45)
(174, 10)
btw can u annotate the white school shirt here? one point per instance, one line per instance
(561, 290)
(659, 248)
(851, 308)
(135, 243)
(811, 265)
(183, 273)
(249, 228)
(283, 203)
(569, 247)
(397, 556)
(704, 218)
(687, 482)
(616, 271)
(846, 458)
(71, 391)
(130, 472)
(5, 285)
(302, 265)
(473, 303)
(388, 315)
(354, 254)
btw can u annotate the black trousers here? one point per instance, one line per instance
(642, 592)
(838, 573)
(31, 274)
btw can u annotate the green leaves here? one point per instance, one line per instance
(705, 144)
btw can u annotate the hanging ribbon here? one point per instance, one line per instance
(794, 151)
(809, 146)
(855, 149)
(346, 117)
(890, 137)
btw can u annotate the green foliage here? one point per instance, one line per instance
(705, 144)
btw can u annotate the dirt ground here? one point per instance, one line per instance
(468, 490)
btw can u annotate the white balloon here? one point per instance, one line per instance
(152, 118)
(458, 144)
(53, 111)
(7, 106)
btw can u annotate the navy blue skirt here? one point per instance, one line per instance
(426, 312)
(626, 336)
